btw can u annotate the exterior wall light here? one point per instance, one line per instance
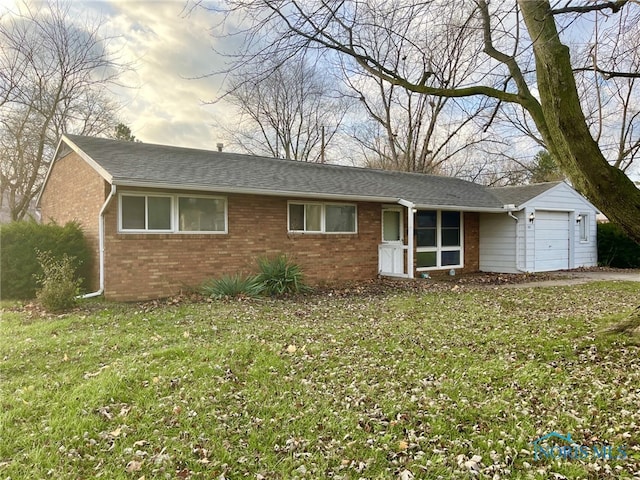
(578, 218)
(532, 217)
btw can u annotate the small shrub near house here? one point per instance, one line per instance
(280, 276)
(58, 283)
(615, 248)
(232, 286)
(277, 276)
(19, 266)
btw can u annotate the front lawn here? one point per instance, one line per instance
(447, 384)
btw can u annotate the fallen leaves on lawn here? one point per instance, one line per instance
(133, 466)
(356, 384)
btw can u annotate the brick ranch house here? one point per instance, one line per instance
(160, 218)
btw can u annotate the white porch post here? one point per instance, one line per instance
(410, 206)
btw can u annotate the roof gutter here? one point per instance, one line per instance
(106, 203)
(297, 194)
(460, 208)
(221, 189)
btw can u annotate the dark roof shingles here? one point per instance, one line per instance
(160, 165)
(518, 195)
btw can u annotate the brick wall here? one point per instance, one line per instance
(142, 266)
(75, 192)
(471, 242)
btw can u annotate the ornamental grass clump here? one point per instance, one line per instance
(280, 276)
(232, 286)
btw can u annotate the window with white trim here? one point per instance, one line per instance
(146, 213)
(438, 239)
(584, 227)
(201, 214)
(322, 217)
(164, 213)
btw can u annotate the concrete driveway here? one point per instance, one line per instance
(579, 277)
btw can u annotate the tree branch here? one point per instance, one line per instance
(614, 6)
(608, 74)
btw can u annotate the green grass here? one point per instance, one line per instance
(321, 387)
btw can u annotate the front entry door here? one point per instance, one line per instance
(391, 250)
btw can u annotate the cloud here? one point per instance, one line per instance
(163, 100)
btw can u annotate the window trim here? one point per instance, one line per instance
(304, 218)
(439, 248)
(146, 196)
(323, 216)
(175, 214)
(401, 226)
(584, 224)
(209, 197)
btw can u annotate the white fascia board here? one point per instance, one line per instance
(65, 140)
(101, 171)
(406, 203)
(564, 186)
(579, 196)
(253, 191)
(46, 177)
(460, 208)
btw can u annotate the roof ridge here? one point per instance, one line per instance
(137, 164)
(275, 159)
(528, 185)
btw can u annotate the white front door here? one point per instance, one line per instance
(391, 250)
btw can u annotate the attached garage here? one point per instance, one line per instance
(544, 227)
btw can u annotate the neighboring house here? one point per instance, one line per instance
(5, 211)
(550, 227)
(161, 218)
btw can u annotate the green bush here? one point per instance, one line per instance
(18, 261)
(58, 283)
(280, 276)
(615, 248)
(231, 286)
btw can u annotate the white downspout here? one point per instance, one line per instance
(510, 213)
(100, 291)
(410, 206)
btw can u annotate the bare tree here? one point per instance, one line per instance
(287, 108)
(612, 107)
(53, 78)
(411, 131)
(523, 62)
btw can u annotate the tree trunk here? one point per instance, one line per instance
(565, 129)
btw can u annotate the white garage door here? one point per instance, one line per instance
(552, 241)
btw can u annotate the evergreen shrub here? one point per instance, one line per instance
(19, 265)
(615, 247)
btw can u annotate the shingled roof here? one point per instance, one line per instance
(521, 194)
(147, 165)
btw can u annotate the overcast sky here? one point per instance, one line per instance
(163, 103)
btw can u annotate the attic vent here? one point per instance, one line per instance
(220, 146)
